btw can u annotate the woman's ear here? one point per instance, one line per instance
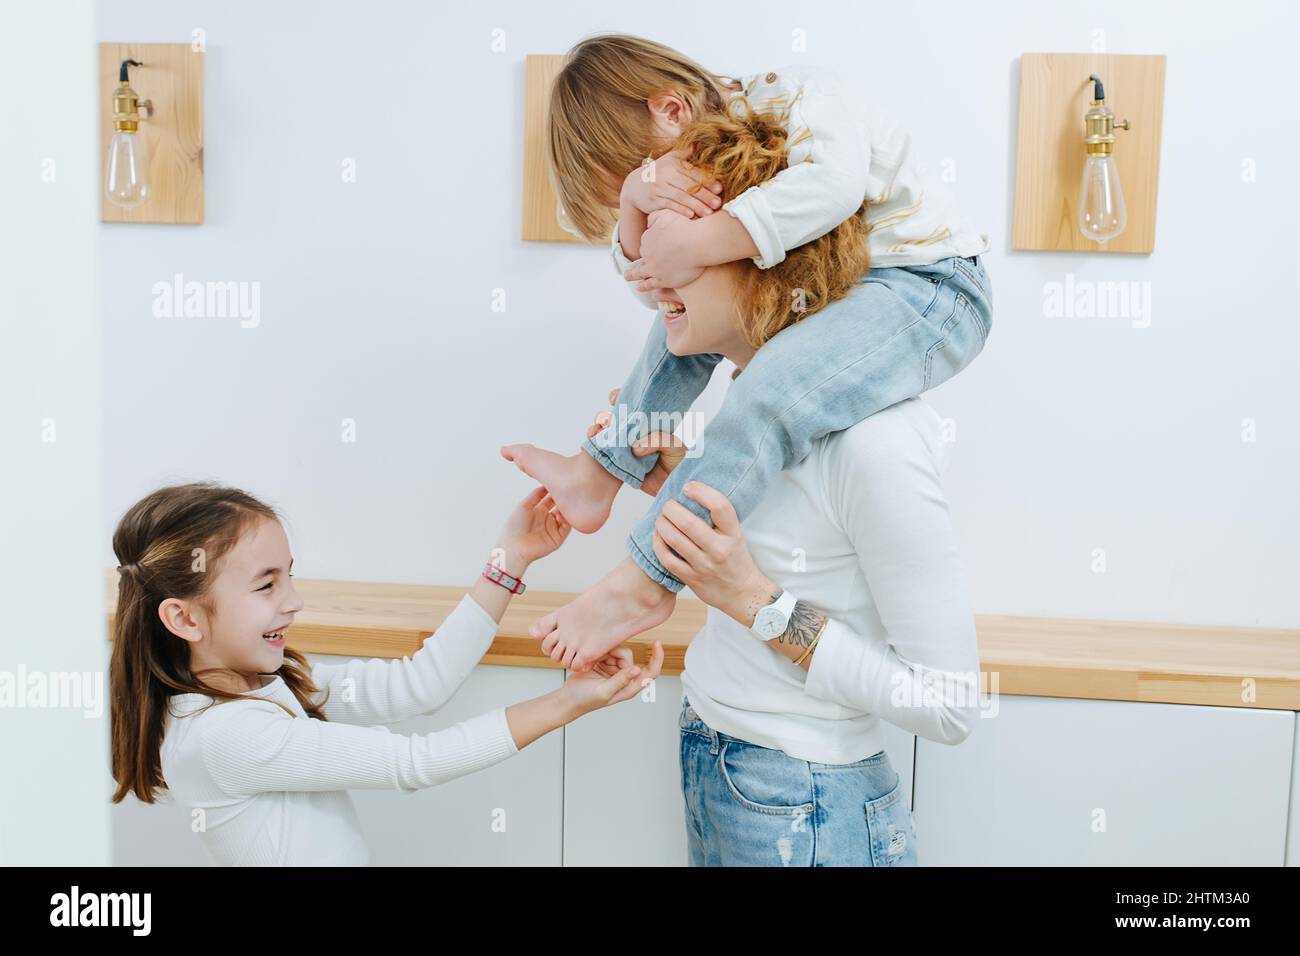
(179, 619)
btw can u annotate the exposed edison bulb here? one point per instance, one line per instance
(127, 183)
(1102, 213)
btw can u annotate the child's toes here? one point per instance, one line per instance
(544, 625)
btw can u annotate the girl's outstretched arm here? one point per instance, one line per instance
(379, 691)
(255, 746)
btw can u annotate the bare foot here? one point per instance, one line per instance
(583, 491)
(620, 605)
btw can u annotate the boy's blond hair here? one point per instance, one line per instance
(599, 127)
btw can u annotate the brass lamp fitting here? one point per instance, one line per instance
(127, 105)
(1099, 122)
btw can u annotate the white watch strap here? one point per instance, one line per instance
(784, 604)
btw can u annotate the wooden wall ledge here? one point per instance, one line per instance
(1044, 657)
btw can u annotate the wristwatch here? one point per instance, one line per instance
(771, 621)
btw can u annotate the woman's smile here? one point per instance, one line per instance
(674, 315)
(674, 311)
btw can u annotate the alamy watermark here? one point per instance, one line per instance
(1088, 299)
(53, 689)
(179, 299)
(626, 426)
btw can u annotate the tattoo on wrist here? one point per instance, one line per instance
(757, 601)
(804, 624)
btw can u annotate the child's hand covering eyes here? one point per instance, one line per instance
(670, 182)
(667, 256)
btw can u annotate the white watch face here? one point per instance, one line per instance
(770, 622)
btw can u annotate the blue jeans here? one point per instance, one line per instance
(899, 332)
(748, 805)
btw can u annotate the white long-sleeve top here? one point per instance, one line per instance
(268, 788)
(842, 149)
(859, 530)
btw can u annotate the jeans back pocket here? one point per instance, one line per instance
(890, 828)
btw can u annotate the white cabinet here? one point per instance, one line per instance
(622, 783)
(154, 834)
(1293, 821)
(507, 815)
(1055, 781)
(1047, 781)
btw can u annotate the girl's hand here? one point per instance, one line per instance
(670, 182)
(612, 679)
(534, 529)
(671, 450)
(713, 562)
(668, 259)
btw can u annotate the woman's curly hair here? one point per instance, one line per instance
(742, 149)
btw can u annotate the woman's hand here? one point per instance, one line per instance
(670, 182)
(534, 529)
(612, 679)
(713, 562)
(671, 450)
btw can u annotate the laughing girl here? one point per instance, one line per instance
(209, 704)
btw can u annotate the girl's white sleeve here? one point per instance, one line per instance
(826, 176)
(251, 747)
(882, 480)
(380, 691)
(621, 264)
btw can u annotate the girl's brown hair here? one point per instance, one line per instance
(170, 545)
(743, 148)
(599, 130)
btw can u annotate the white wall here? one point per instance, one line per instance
(54, 795)
(1073, 434)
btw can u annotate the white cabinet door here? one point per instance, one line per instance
(1056, 781)
(506, 815)
(622, 782)
(154, 834)
(1293, 820)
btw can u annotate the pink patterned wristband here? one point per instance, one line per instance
(508, 581)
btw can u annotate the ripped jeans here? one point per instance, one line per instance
(748, 805)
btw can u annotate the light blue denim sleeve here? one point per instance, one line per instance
(899, 332)
(656, 395)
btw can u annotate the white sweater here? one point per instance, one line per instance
(859, 530)
(272, 788)
(842, 148)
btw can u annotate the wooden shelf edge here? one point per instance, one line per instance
(1038, 657)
